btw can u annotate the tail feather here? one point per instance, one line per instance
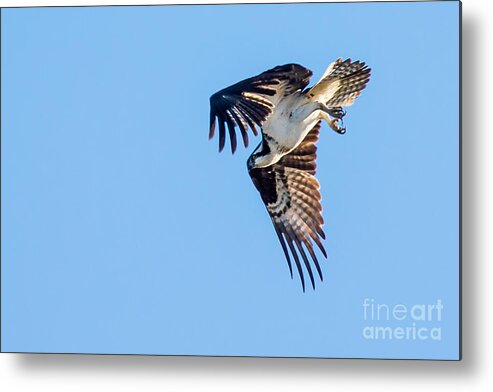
(341, 83)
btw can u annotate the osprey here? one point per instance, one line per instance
(283, 165)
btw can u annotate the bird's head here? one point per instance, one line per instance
(259, 157)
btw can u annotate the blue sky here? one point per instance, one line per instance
(124, 231)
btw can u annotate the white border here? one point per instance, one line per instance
(116, 373)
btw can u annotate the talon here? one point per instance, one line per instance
(338, 113)
(336, 127)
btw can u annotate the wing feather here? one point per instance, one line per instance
(291, 194)
(253, 100)
(290, 235)
(241, 124)
(283, 245)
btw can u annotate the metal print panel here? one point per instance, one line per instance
(331, 232)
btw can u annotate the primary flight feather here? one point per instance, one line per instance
(283, 166)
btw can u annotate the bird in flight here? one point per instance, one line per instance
(283, 166)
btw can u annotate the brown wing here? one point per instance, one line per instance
(248, 103)
(291, 194)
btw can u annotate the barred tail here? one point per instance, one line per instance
(341, 83)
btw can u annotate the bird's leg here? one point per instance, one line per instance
(333, 116)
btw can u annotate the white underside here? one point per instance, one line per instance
(284, 132)
(294, 116)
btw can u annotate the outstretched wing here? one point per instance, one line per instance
(341, 83)
(291, 194)
(249, 102)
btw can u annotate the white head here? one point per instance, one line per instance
(261, 156)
